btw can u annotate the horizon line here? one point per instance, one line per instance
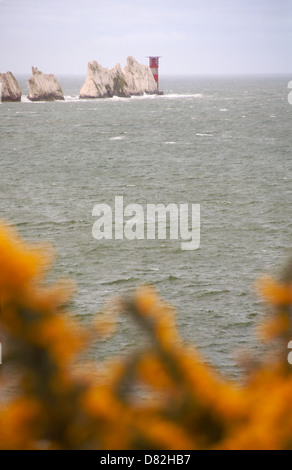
(194, 74)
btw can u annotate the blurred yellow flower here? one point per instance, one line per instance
(275, 293)
(163, 396)
(19, 263)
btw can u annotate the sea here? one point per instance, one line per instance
(221, 142)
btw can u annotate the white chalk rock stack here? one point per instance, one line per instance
(139, 78)
(44, 87)
(119, 83)
(97, 82)
(135, 79)
(104, 83)
(9, 88)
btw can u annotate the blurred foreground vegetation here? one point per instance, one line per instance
(50, 400)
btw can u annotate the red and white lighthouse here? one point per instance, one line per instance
(154, 65)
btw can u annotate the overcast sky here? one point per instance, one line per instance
(193, 36)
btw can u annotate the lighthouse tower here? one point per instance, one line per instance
(154, 65)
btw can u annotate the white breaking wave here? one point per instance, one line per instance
(204, 135)
(24, 99)
(137, 98)
(119, 137)
(76, 98)
(177, 95)
(72, 98)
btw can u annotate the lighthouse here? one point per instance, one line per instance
(154, 65)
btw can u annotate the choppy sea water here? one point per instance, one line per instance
(223, 143)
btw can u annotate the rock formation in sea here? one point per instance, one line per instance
(139, 78)
(104, 83)
(120, 85)
(135, 79)
(44, 87)
(9, 88)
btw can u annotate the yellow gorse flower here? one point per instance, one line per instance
(163, 396)
(19, 264)
(276, 293)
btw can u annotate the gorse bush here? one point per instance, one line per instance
(161, 397)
